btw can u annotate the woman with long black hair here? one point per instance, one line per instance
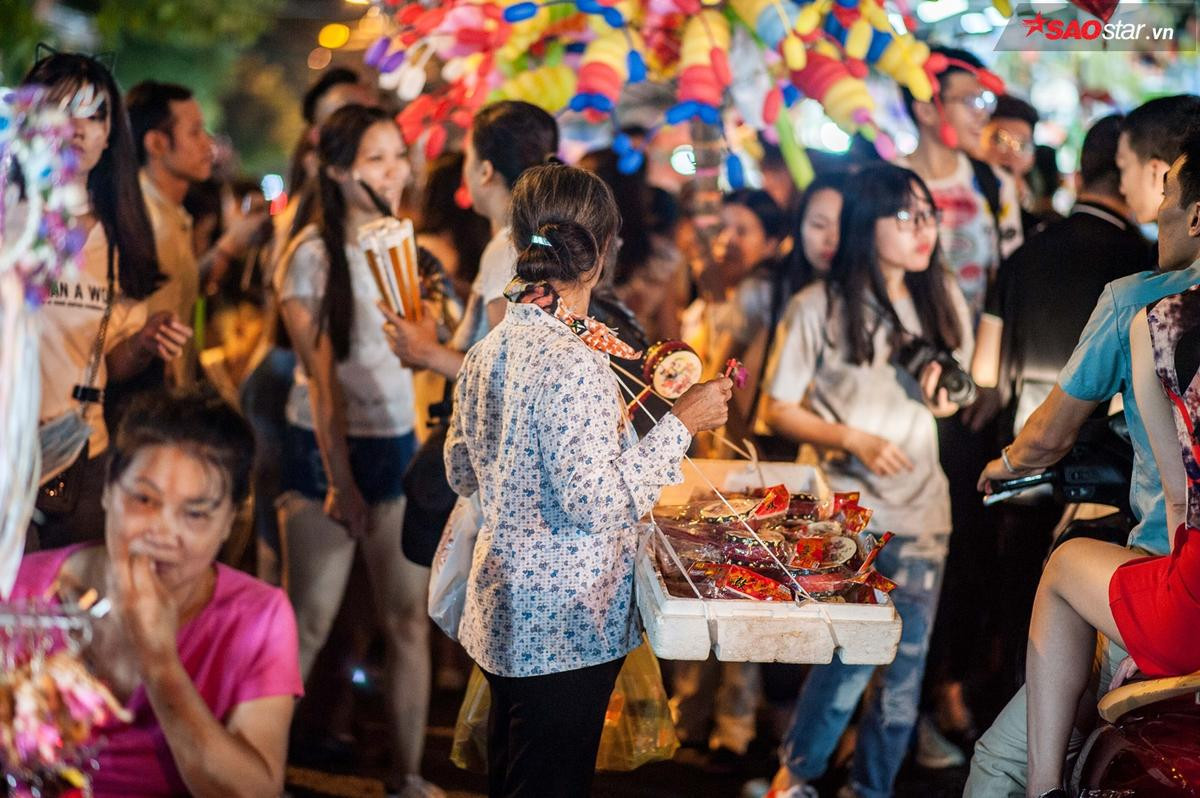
(93, 323)
(350, 424)
(835, 380)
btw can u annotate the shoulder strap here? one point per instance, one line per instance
(98, 346)
(989, 185)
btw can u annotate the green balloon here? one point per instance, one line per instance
(794, 155)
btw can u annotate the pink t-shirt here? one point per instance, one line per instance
(240, 647)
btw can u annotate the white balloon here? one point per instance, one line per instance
(453, 69)
(388, 81)
(412, 81)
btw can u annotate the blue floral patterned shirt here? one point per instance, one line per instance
(539, 430)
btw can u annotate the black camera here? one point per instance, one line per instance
(917, 353)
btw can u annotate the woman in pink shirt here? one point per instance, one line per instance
(204, 657)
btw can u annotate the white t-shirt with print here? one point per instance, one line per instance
(70, 321)
(968, 233)
(378, 391)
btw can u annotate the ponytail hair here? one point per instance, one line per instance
(564, 223)
(338, 146)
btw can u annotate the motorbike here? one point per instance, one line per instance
(1147, 741)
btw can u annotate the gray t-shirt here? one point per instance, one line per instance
(808, 364)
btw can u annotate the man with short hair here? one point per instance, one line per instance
(981, 220)
(1008, 145)
(1008, 136)
(1149, 143)
(1099, 369)
(176, 151)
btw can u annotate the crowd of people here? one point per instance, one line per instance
(860, 307)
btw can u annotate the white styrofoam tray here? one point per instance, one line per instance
(759, 631)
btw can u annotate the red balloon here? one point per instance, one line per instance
(771, 105)
(435, 143)
(1101, 8)
(720, 65)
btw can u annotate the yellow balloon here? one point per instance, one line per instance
(808, 19)
(793, 53)
(858, 39)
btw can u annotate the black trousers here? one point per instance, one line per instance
(544, 731)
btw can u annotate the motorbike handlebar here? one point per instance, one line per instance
(1004, 489)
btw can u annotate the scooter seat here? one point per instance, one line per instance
(1129, 697)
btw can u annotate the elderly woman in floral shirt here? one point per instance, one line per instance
(539, 431)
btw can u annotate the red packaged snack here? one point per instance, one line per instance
(739, 582)
(855, 519)
(804, 507)
(821, 585)
(741, 548)
(843, 500)
(823, 553)
(876, 580)
(775, 502)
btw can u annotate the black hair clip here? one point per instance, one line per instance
(553, 160)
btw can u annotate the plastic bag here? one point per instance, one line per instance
(637, 725)
(469, 749)
(452, 565)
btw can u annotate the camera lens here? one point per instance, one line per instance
(960, 388)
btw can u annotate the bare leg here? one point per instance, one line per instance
(401, 589)
(1071, 605)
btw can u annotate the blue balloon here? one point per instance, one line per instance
(377, 51)
(622, 144)
(835, 28)
(708, 114)
(520, 11)
(630, 162)
(636, 66)
(613, 17)
(791, 95)
(392, 62)
(681, 111)
(589, 6)
(580, 102)
(602, 103)
(879, 42)
(734, 172)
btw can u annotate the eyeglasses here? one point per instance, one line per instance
(1003, 140)
(908, 221)
(983, 102)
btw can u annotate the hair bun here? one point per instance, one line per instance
(563, 220)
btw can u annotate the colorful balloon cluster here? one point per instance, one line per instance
(580, 54)
(34, 139)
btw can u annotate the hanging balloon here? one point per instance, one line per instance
(377, 51)
(411, 80)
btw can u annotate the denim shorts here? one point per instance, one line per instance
(378, 465)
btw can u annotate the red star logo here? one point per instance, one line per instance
(1035, 25)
